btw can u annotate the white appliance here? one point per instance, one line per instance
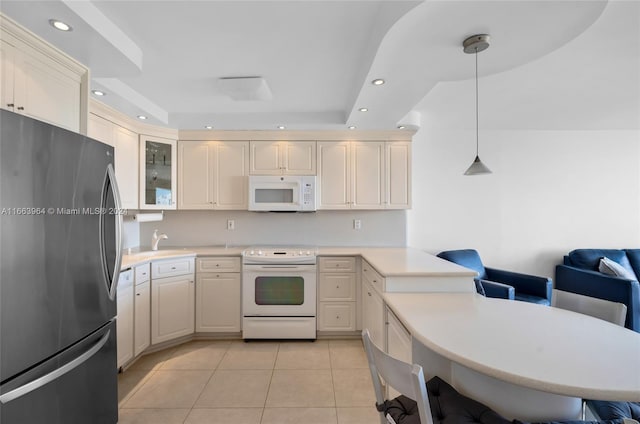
(294, 193)
(279, 293)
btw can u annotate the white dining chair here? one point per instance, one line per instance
(599, 308)
(406, 378)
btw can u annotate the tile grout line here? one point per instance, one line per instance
(207, 383)
(264, 406)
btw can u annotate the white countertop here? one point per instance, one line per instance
(388, 261)
(139, 257)
(535, 346)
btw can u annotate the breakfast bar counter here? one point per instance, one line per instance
(527, 361)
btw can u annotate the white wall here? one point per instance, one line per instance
(550, 192)
(322, 228)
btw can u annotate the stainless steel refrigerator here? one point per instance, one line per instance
(60, 257)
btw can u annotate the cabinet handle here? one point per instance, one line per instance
(337, 316)
(137, 294)
(337, 287)
(20, 108)
(375, 281)
(191, 281)
(369, 293)
(173, 267)
(217, 264)
(10, 105)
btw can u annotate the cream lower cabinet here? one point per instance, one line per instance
(213, 174)
(398, 338)
(142, 310)
(124, 320)
(373, 309)
(125, 144)
(364, 175)
(283, 158)
(398, 343)
(218, 305)
(337, 305)
(172, 299)
(40, 81)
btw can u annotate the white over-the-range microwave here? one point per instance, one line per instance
(288, 193)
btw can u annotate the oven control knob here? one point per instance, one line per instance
(308, 252)
(251, 253)
(300, 253)
(260, 253)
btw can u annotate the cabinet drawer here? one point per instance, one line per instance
(337, 287)
(171, 268)
(372, 276)
(143, 273)
(222, 264)
(337, 316)
(338, 264)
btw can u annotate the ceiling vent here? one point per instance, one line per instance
(245, 88)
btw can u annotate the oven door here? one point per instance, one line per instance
(279, 290)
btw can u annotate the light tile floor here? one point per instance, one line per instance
(211, 382)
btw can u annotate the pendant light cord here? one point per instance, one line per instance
(477, 120)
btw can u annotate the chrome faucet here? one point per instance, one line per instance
(155, 239)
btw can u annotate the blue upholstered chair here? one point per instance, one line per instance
(499, 283)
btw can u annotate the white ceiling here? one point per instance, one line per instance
(163, 59)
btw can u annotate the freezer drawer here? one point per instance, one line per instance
(77, 386)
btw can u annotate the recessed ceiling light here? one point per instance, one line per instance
(142, 117)
(281, 127)
(363, 109)
(209, 127)
(60, 25)
(377, 81)
(352, 127)
(99, 93)
(400, 127)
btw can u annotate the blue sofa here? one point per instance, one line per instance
(580, 273)
(499, 283)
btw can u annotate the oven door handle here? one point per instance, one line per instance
(280, 267)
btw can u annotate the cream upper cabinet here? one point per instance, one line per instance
(126, 166)
(364, 175)
(40, 81)
(367, 182)
(125, 143)
(158, 172)
(212, 174)
(101, 129)
(283, 158)
(334, 175)
(398, 174)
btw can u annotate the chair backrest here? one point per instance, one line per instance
(468, 258)
(600, 308)
(406, 378)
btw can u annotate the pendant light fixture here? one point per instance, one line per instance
(475, 44)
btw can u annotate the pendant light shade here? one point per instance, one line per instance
(476, 44)
(477, 168)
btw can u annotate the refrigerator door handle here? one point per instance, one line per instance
(111, 280)
(53, 375)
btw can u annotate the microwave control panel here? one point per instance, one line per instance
(307, 194)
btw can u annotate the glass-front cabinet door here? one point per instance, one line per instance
(157, 173)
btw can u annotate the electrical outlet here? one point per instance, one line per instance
(231, 224)
(357, 224)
